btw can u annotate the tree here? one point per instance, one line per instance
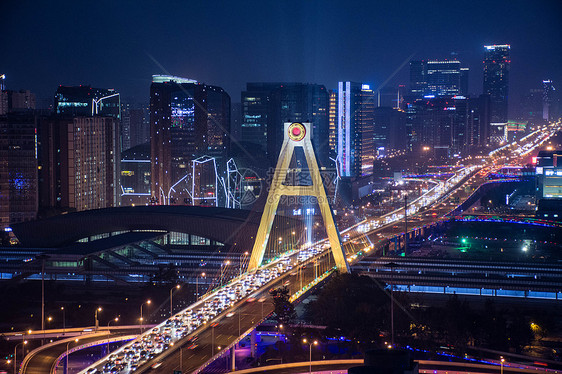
(284, 310)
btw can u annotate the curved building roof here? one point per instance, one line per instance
(228, 226)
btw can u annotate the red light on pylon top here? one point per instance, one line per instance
(296, 131)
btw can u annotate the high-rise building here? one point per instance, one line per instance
(78, 163)
(478, 122)
(256, 112)
(266, 106)
(547, 99)
(496, 80)
(435, 78)
(135, 127)
(448, 126)
(355, 147)
(16, 101)
(188, 120)
(300, 102)
(84, 101)
(390, 129)
(135, 175)
(18, 169)
(333, 121)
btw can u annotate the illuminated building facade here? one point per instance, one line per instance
(135, 175)
(355, 145)
(449, 126)
(188, 119)
(436, 78)
(496, 80)
(333, 121)
(18, 169)
(549, 175)
(75, 101)
(78, 163)
(547, 99)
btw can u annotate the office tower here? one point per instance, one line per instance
(478, 122)
(300, 102)
(77, 101)
(125, 126)
(448, 126)
(140, 125)
(496, 80)
(418, 80)
(78, 163)
(547, 99)
(135, 127)
(18, 169)
(188, 120)
(437, 78)
(16, 101)
(333, 121)
(463, 84)
(236, 122)
(135, 175)
(256, 110)
(389, 129)
(266, 106)
(355, 145)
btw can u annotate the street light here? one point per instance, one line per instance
(66, 369)
(315, 342)
(502, 360)
(15, 353)
(116, 319)
(63, 320)
(197, 286)
(141, 319)
(99, 309)
(176, 287)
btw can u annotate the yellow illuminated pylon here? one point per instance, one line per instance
(297, 135)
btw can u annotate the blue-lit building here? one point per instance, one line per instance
(435, 78)
(355, 143)
(549, 185)
(188, 119)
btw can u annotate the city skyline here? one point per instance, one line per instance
(118, 46)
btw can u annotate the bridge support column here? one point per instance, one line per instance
(233, 358)
(253, 342)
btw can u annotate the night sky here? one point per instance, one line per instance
(120, 44)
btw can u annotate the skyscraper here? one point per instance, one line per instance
(79, 150)
(188, 120)
(496, 80)
(333, 121)
(266, 106)
(78, 163)
(355, 147)
(390, 128)
(438, 78)
(75, 101)
(18, 168)
(14, 101)
(547, 99)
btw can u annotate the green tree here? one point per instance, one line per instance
(284, 310)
